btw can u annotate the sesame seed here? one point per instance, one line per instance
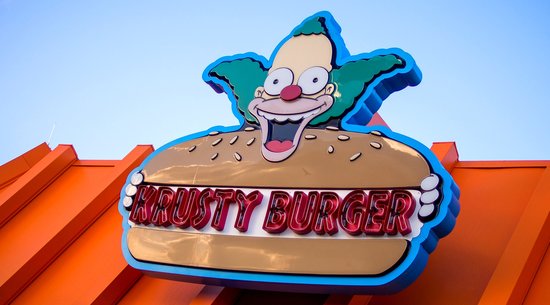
(214, 156)
(192, 148)
(376, 145)
(310, 137)
(217, 142)
(343, 137)
(376, 133)
(250, 142)
(235, 138)
(330, 149)
(213, 133)
(332, 128)
(237, 156)
(355, 157)
(249, 129)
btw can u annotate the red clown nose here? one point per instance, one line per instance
(290, 93)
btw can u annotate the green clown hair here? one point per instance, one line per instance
(312, 26)
(243, 76)
(352, 80)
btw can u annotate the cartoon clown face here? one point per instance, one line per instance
(309, 82)
(295, 91)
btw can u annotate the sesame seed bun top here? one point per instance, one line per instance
(325, 159)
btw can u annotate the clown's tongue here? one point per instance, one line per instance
(280, 137)
(278, 146)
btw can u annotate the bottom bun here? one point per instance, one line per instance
(267, 254)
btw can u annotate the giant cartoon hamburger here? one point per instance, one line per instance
(301, 192)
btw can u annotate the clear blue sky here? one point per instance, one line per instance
(113, 74)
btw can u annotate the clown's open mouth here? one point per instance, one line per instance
(284, 130)
(282, 123)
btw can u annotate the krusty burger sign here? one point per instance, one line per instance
(301, 196)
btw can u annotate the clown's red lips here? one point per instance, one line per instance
(282, 122)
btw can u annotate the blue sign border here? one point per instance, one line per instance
(420, 247)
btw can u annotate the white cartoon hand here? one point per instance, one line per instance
(131, 189)
(429, 199)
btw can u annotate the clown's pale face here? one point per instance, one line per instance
(295, 91)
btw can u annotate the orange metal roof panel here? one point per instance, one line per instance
(492, 201)
(149, 290)
(18, 166)
(539, 287)
(69, 202)
(20, 192)
(92, 262)
(2, 189)
(521, 259)
(45, 217)
(68, 192)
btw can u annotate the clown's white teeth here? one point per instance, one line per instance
(281, 118)
(295, 118)
(266, 115)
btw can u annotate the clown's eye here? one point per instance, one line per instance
(277, 80)
(313, 80)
